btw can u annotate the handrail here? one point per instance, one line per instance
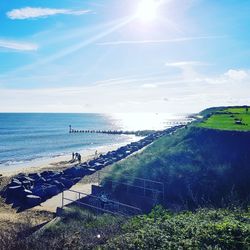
(95, 207)
(97, 197)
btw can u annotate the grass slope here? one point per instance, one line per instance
(235, 118)
(198, 166)
(160, 229)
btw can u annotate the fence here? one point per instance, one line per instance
(98, 203)
(140, 186)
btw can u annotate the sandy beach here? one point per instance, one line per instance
(59, 162)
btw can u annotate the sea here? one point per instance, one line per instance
(25, 137)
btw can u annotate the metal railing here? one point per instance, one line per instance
(116, 208)
(155, 187)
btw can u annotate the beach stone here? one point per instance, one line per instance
(35, 176)
(90, 171)
(13, 191)
(27, 184)
(45, 174)
(14, 183)
(75, 171)
(66, 182)
(98, 166)
(22, 194)
(40, 181)
(51, 190)
(40, 192)
(33, 200)
(58, 184)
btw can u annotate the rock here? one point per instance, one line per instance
(13, 191)
(27, 184)
(40, 181)
(40, 191)
(35, 176)
(58, 184)
(33, 200)
(15, 183)
(90, 171)
(51, 190)
(98, 166)
(75, 171)
(66, 182)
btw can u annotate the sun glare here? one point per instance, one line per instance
(147, 10)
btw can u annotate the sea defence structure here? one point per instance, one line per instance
(29, 190)
(122, 132)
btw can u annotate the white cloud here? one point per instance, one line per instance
(18, 46)
(184, 64)
(173, 40)
(237, 75)
(29, 12)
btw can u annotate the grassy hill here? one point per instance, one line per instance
(234, 118)
(199, 165)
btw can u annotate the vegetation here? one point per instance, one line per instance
(204, 229)
(205, 171)
(160, 229)
(237, 118)
(199, 167)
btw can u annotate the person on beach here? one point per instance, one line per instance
(96, 154)
(79, 158)
(73, 156)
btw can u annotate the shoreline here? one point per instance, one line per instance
(60, 162)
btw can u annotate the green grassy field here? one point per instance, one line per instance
(228, 119)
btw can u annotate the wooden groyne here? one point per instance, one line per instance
(122, 132)
(112, 132)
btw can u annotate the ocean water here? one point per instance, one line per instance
(25, 137)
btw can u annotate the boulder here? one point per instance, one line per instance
(27, 184)
(51, 190)
(33, 200)
(35, 176)
(58, 184)
(75, 171)
(13, 191)
(90, 171)
(40, 181)
(66, 182)
(98, 166)
(15, 183)
(40, 191)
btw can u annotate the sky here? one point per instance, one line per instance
(109, 56)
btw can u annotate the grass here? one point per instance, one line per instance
(233, 119)
(160, 229)
(199, 167)
(203, 229)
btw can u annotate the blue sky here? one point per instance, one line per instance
(102, 56)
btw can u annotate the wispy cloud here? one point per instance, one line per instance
(17, 46)
(184, 64)
(173, 40)
(29, 12)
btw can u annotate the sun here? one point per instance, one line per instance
(147, 10)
